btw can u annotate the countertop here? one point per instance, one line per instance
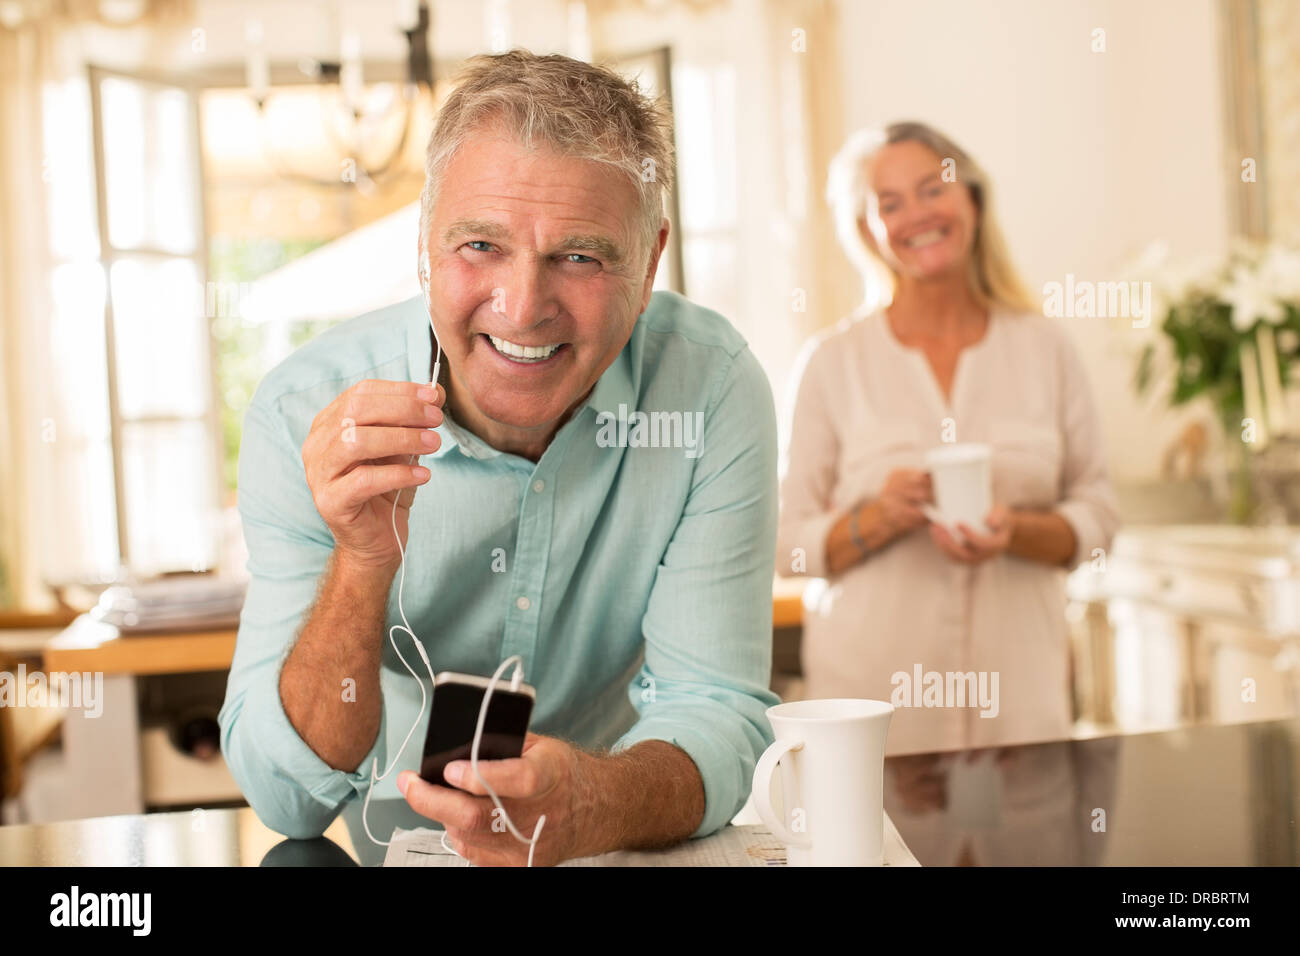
(1199, 796)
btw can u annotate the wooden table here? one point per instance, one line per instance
(89, 645)
(787, 601)
(102, 755)
(24, 730)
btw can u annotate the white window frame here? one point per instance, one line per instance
(109, 254)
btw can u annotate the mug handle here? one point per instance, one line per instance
(762, 793)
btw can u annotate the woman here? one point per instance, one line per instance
(960, 353)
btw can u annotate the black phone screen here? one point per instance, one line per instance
(455, 715)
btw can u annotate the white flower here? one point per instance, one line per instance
(1203, 275)
(1279, 272)
(1245, 251)
(1250, 300)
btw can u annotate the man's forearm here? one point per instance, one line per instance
(650, 795)
(342, 640)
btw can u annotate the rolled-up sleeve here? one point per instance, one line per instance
(1087, 498)
(704, 685)
(808, 467)
(290, 788)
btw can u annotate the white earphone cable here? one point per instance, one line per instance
(405, 626)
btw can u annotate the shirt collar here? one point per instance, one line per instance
(612, 389)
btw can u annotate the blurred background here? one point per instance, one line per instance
(190, 189)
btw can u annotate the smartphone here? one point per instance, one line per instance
(457, 699)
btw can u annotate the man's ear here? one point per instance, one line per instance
(653, 265)
(422, 267)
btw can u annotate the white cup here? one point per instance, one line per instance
(962, 479)
(832, 759)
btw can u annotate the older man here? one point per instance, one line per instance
(632, 574)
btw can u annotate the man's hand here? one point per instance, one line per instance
(650, 795)
(978, 545)
(550, 778)
(360, 455)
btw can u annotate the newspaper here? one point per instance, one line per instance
(751, 845)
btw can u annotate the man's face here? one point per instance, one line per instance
(536, 279)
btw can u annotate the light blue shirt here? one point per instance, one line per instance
(634, 578)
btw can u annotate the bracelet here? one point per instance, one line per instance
(856, 533)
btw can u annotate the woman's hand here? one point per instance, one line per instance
(920, 782)
(979, 545)
(900, 500)
(894, 512)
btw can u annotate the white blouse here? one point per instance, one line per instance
(864, 405)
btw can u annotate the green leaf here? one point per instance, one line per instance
(1142, 380)
(1185, 389)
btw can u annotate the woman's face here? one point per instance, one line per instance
(920, 221)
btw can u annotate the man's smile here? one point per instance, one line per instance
(523, 353)
(517, 354)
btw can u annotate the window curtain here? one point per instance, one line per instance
(26, 64)
(49, 503)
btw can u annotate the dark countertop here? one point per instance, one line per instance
(1226, 795)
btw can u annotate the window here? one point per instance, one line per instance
(161, 409)
(653, 73)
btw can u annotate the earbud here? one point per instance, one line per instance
(424, 285)
(423, 269)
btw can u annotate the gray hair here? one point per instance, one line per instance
(575, 108)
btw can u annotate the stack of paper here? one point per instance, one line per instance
(187, 603)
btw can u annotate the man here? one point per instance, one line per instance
(631, 571)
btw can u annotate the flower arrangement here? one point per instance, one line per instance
(1233, 328)
(1231, 335)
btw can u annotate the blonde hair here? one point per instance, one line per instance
(992, 276)
(575, 108)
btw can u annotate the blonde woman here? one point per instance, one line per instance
(960, 352)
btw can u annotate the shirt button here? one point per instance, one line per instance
(539, 486)
(522, 603)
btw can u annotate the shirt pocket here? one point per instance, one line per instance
(1026, 464)
(868, 460)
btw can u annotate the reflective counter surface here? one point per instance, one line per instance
(1222, 795)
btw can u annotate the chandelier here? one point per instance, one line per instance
(348, 120)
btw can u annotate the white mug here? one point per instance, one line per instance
(832, 757)
(962, 478)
